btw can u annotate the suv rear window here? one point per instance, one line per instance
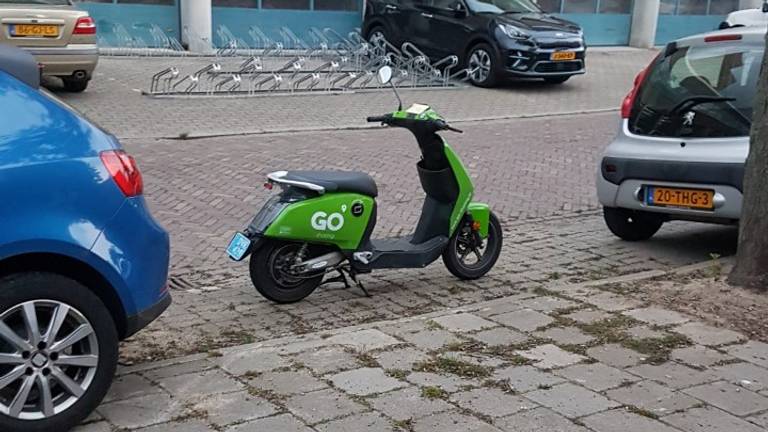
(700, 92)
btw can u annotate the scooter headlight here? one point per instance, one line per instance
(514, 32)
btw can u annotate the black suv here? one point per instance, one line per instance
(493, 38)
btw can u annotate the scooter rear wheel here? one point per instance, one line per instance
(466, 259)
(269, 272)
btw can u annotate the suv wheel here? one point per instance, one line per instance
(75, 85)
(481, 63)
(377, 32)
(632, 225)
(58, 352)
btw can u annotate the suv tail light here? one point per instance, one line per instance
(629, 100)
(124, 172)
(85, 26)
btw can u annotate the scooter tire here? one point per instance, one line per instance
(263, 276)
(462, 271)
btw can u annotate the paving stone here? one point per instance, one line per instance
(403, 358)
(206, 382)
(463, 322)
(509, 304)
(565, 336)
(621, 419)
(365, 381)
(449, 383)
(178, 369)
(287, 383)
(615, 355)
(364, 340)
(551, 356)
(141, 411)
(129, 386)
(179, 426)
(752, 351)
(673, 375)
(430, 339)
(704, 334)
(282, 423)
(322, 405)
(526, 378)
(653, 397)
(587, 316)
(238, 407)
(524, 319)
(499, 336)
(571, 400)
(327, 360)
(240, 362)
(597, 376)
(736, 400)
(491, 402)
(408, 404)
(368, 422)
(744, 375)
(101, 426)
(760, 420)
(643, 332)
(709, 419)
(612, 302)
(656, 316)
(451, 422)
(698, 356)
(475, 359)
(538, 420)
(547, 304)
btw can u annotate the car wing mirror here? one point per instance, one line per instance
(20, 64)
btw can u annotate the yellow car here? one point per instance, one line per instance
(61, 37)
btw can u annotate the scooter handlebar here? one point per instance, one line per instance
(377, 119)
(388, 119)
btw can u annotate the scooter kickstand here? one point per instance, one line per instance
(359, 284)
(340, 278)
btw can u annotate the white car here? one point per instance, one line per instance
(747, 18)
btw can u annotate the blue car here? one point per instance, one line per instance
(83, 264)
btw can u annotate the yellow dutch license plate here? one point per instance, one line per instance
(35, 30)
(685, 198)
(563, 56)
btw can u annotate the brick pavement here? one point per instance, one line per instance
(491, 366)
(115, 102)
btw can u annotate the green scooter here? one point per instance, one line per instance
(322, 221)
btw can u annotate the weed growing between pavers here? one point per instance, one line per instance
(642, 412)
(406, 425)
(433, 392)
(367, 360)
(453, 366)
(268, 395)
(397, 373)
(658, 350)
(504, 385)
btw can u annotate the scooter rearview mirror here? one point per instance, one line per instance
(384, 75)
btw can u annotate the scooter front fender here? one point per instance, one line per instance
(481, 214)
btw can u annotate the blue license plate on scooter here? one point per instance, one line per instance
(238, 246)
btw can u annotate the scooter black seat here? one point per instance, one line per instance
(337, 181)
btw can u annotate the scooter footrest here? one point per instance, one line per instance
(401, 253)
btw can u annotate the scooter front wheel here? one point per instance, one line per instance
(466, 257)
(271, 276)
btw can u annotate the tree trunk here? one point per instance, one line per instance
(751, 268)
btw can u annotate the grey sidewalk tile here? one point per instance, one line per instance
(623, 420)
(752, 351)
(129, 386)
(255, 360)
(597, 376)
(728, 397)
(551, 356)
(652, 397)
(403, 358)
(547, 304)
(287, 383)
(491, 402)
(430, 339)
(499, 336)
(236, 407)
(365, 381)
(760, 420)
(449, 383)
(451, 422)
(709, 419)
(703, 334)
(141, 411)
(281, 423)
(587, 316)
(698, 356)
(571, 400)
(745, 375)
(565, 336)
(463, 322)
(178, 369)
(367, 422)
(524, 319)
(408, 404)
(363, 340)
(206, 382)
(656, 316)
(179, 426)
(673, 375)
(612, 302)
(323, 405)
(526, 378)
(327, 360)
(101, 426)
(538, 420)
(615, 355)
(473, 358)
(645, 332)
